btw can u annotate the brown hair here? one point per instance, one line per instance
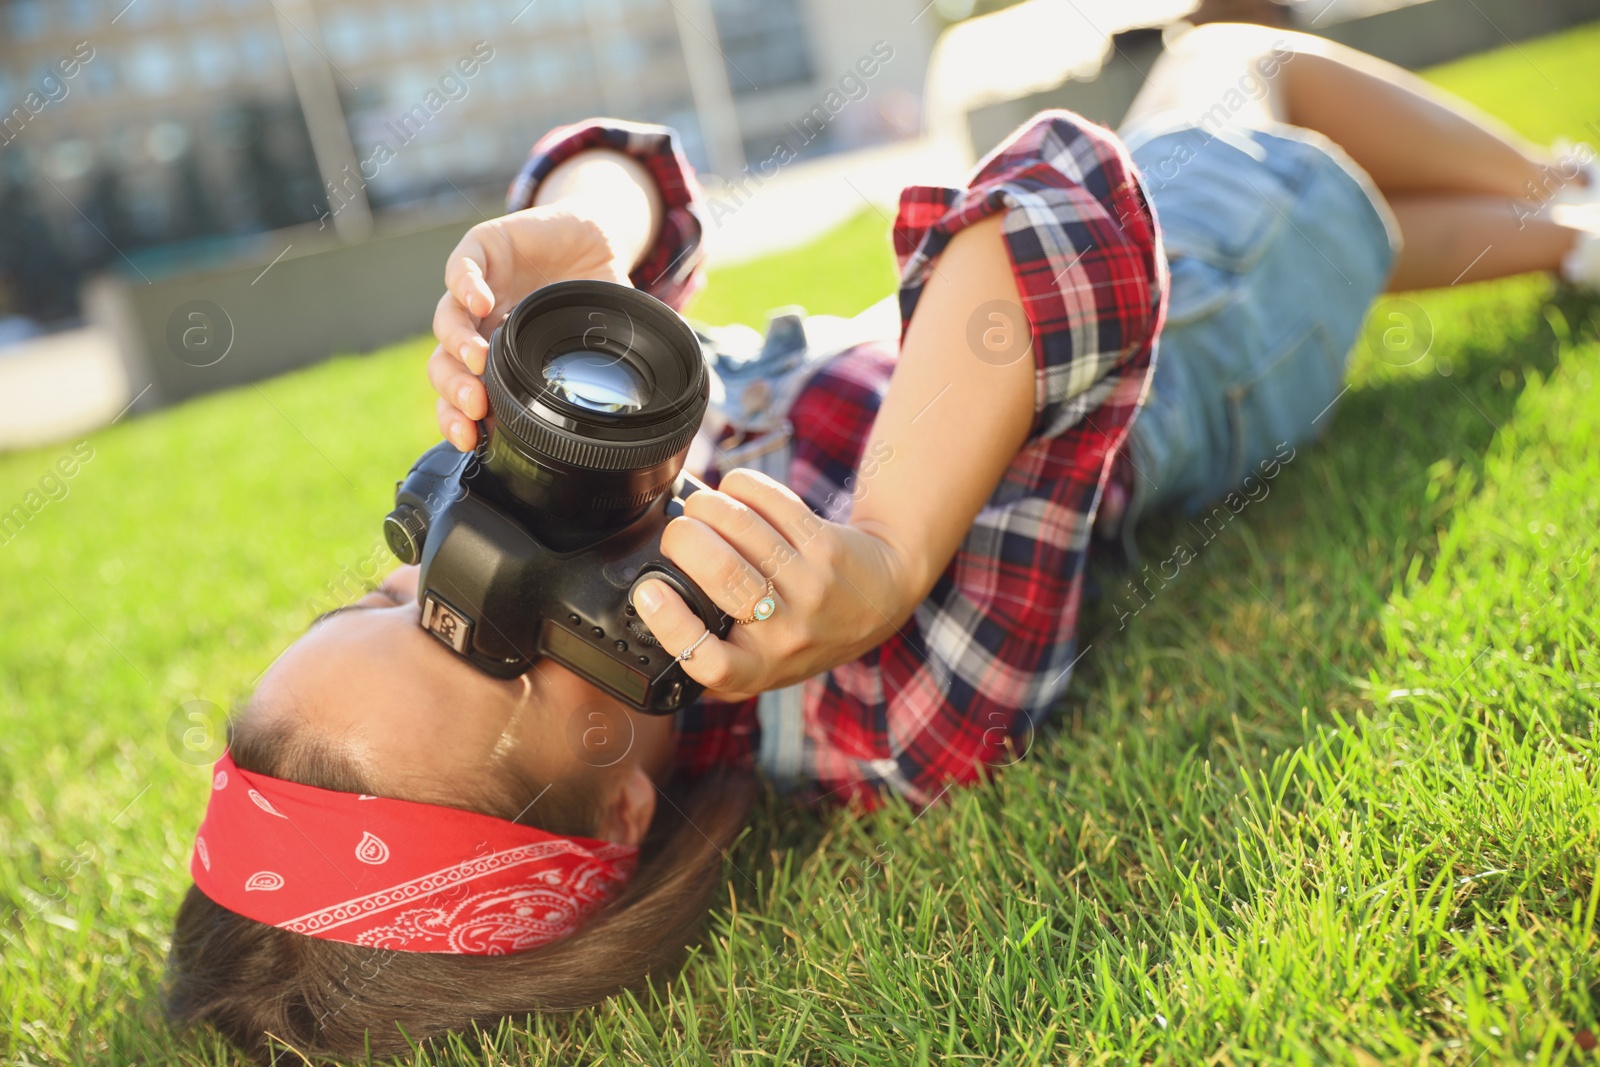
(327, 998)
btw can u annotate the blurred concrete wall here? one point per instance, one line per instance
(200, 332)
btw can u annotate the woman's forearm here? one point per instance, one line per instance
(959, 408)
(611, 190)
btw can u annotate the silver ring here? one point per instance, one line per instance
(688, 654)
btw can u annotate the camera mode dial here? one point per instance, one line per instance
(406, 530)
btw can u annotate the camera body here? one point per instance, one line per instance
(499, 598)
(532, 545)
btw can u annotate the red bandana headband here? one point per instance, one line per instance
(395, 874)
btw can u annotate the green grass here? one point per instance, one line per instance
(843, 273)
(1330, 798)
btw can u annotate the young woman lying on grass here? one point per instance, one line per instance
(926, 547)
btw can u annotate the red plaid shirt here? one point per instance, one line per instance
(986, 656)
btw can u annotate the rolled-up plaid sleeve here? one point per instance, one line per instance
(673, 269)
(987, 655)
(1084, 250)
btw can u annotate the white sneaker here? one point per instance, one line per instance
(1581, 267)
(1584, 186)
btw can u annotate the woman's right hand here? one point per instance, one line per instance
(496, 264)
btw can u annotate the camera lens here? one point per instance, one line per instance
(595, 391)
(595, 381)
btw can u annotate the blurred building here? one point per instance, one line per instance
(152, 136)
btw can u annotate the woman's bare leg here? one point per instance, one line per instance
(1454, 238)
(1461, 184)
(1468, 193)
(1409, 136)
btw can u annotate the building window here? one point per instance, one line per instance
(82, 14)
(138, 12)
(491, 19)
(262, 51)
(152, 70)
(399, 25)
(764, 43)
(211, 56)
(102, 77)
(29, 19)
(347, 35)
(443, 23)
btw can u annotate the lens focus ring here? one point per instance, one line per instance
(578, 451)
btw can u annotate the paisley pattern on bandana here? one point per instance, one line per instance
(395, 874)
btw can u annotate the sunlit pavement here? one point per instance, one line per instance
(59, 385)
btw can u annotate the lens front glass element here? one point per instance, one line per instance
(596, 381)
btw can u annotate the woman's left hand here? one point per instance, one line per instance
(833, 588)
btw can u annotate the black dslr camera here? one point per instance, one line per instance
(532, 544)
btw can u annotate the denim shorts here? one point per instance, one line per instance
(1278, 244)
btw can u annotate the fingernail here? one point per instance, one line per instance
(466, 352)
(463, 395)
(647, 597)
(458, 435)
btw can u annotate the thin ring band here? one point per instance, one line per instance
(765, 607)
(688, 654)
